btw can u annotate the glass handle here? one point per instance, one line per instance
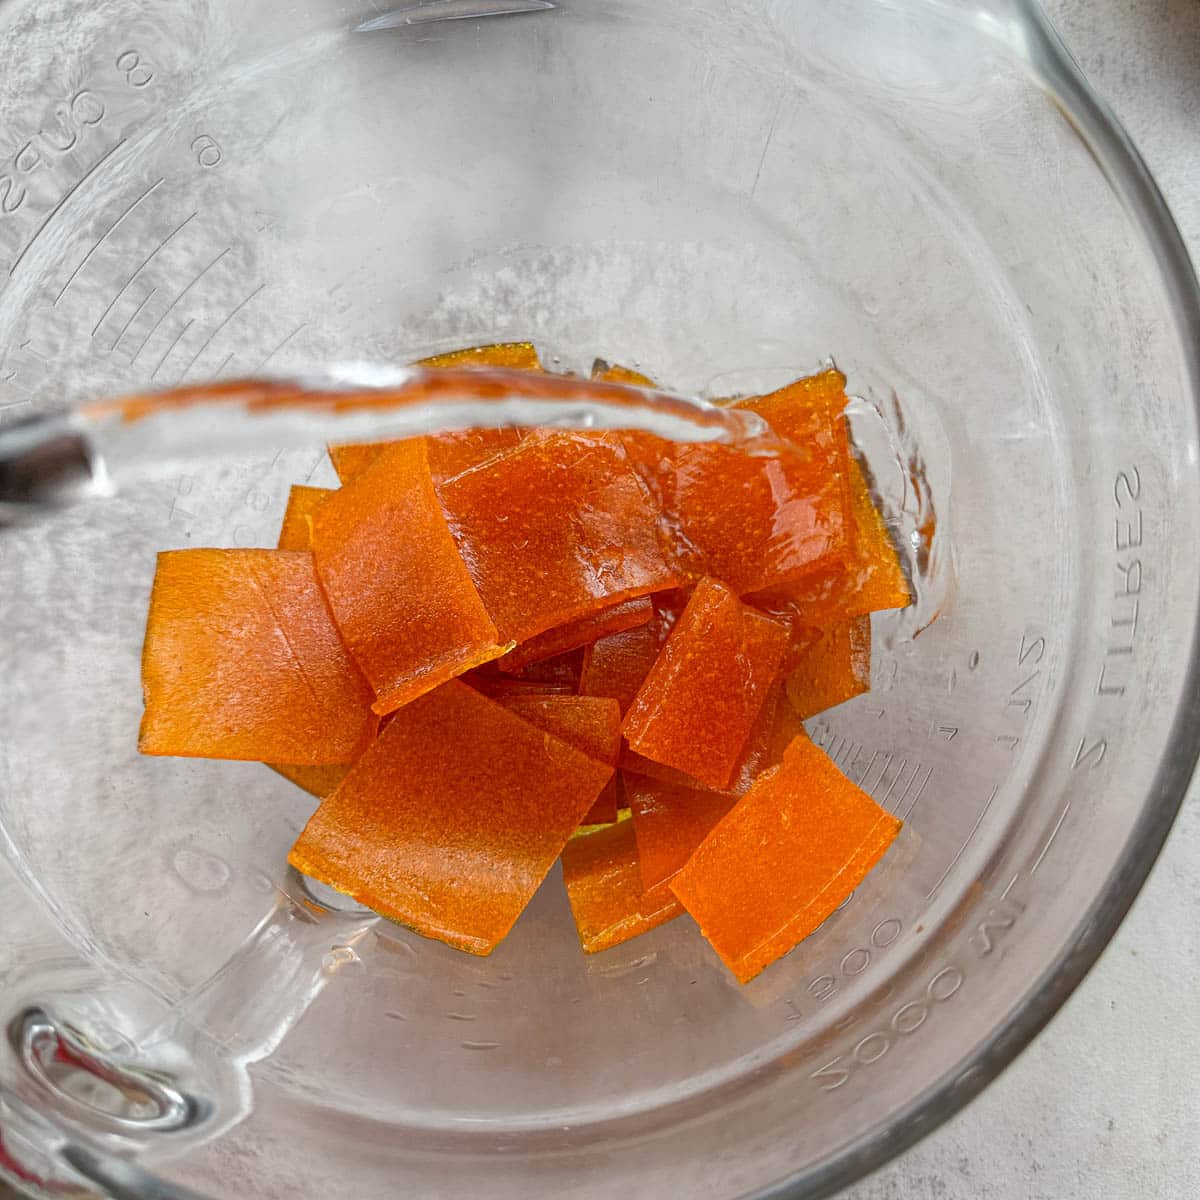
(94, 1076)
(248, 1006)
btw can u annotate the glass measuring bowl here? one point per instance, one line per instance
(721, 194)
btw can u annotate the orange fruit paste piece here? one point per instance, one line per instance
(316, 781)
(399, 591)
(614, 373)
(516, 356)
(548, 676)
(670, 820)
(302, 505)
(752, 521)
(809, 413)
(870, 578)
(556, 529)
(758, 521)
(829, 666)
(452, 818)
(773, 730)
(626, 615)
(450, 453)
(700, 701)
(296, 534)
(242, 661)
(777, 726)
(617, 664)
(790, 851)
(604, 887)
(590, 724)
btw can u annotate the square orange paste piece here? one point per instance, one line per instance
(303, 502)
(590, 724)
(399, 591)
(604, 886)
(452, 818)
(626, 615)
(617, 664)
(242, 661)
(316, 781)
(791, 850)
(810, 412)
(450, 453)
(670, 820)
(773, 730)
(697, 707)
(555, 530)
(830, 666)
(758, 521)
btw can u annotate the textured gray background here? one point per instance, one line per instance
(1105, 1105)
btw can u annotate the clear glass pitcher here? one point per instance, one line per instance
(724, 194)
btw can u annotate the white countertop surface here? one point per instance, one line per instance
(1105, 1105)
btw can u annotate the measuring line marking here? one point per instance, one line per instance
(1062, 816)
(916, 770)
(302, 325)
(882, 774)
(209, 340)
(171, 347)
(920, 791)
(103, 237)
(962, 848)
(863, 776)
(134, 317)
(144, 264)
(1012, 883)
(170, 307)
(65, 197)
(895, 780)
(228, 359)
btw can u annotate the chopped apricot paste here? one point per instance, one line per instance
(516, 356)
(558, 675)
(302, 505)
(810, 414)
(400, 593)
(670, 820)
(316, 781)
(699, 703)
(604, 887)
(829, 666)
(495, 647)
(555, 530)
(590, 724)
(242, 661)
(450, 453)
(790, 851)
(607, 806)
(870, 578)
(452, 818)
(614, 373)
(773, 730)
(617, 664)
(626, 615)
(755, 521)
